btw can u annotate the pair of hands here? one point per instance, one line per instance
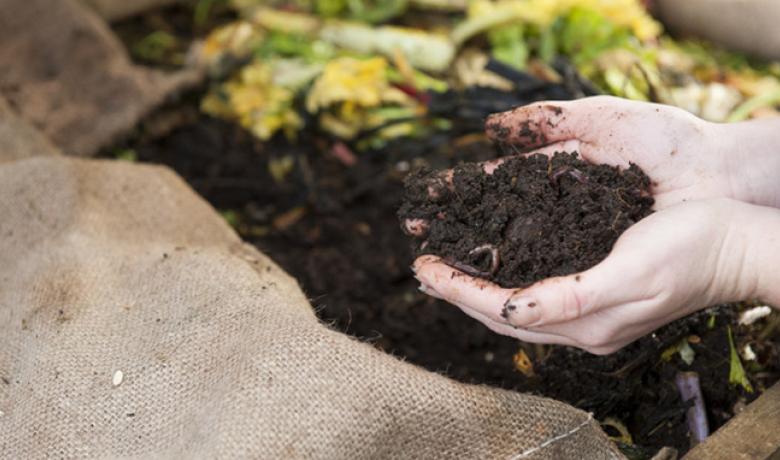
(700, 248)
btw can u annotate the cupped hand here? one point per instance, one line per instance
(666, 266)
(678, 151)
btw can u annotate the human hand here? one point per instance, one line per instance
(666, 266)
(678, 151)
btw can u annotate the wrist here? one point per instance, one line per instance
(755, 244)
(750, 155)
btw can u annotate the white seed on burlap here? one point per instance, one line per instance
(119, 376)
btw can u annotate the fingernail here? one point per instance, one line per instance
(521, 310)
(429, 291)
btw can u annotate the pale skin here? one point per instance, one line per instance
(714, 238)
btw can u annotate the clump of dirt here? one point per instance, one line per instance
(534, 217)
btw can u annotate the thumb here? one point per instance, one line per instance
(612, 282)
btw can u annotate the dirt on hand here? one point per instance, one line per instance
(534, 217)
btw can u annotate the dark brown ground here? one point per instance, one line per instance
(533, 218)
(334, 227)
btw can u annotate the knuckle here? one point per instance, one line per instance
(573, 302)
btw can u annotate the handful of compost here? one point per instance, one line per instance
(524, 219)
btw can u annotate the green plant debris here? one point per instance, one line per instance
(159, 46)
(280, 167)
(624, 436)
(686, 352)
(126, 155)
(737, 375)
(203, 9)
(232, 217)
(683, 348)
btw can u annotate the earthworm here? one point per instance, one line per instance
(468, 269)
(573, 172)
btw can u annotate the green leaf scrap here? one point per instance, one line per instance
(737, 374)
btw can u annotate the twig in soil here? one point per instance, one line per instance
(630, 366)
(615, 221)
(473, 271)
(696, 416)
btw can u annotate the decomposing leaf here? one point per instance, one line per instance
(280, 167)
(288, 218)
(737, 374)
(620, 427)
(232, 217)
(523, 363)
(687, 354)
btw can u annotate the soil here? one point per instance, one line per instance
(534, 217)
(333, 226)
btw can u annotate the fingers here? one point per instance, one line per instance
(431, 273)
(456, 287)
(574, 145)
(544, 123)
(550, 301)
(614, 281)
(521, 334)
(536, 125)
(598, 310)
(610, 329)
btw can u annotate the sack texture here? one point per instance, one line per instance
(134, 323)
(65, 73)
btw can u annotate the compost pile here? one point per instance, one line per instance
(532, 218)
(314, 117)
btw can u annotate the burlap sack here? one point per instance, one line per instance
(66, 74)
(750, 26)
(135, 324)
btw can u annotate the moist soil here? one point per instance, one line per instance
(333, 226)
(532, 218)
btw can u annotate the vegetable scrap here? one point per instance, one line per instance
(750, 316)
(737, 375)
(369, 72)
